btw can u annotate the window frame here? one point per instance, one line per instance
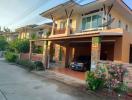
(91, 15)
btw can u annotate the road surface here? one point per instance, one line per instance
(18, 84)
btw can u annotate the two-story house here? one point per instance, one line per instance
(101, 29)
(34, 31)
(26, 31)
(11, 36)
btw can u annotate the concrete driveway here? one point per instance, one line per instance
(18, 84)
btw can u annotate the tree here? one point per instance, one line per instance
(3, 43)
(24, 46)
(19, 46)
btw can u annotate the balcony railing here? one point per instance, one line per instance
(106, 30)
(79, 30)
(59, 31)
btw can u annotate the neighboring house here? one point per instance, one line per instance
(101, 29)
(26, 31)
(43, 30)
(30, 31)
(9, 35)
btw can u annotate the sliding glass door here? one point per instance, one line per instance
(91, 22)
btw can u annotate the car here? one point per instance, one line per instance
(81, 63)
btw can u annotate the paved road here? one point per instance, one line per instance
(18, 84)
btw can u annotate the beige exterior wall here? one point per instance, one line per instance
(127, 40)
(26, 34)
(122, 43)
(115, 14)
(77, 21)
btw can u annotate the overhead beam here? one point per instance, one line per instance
(71, 13)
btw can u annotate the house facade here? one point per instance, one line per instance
(9, 35)
(101, 30)
(26, 31)
(34, 31)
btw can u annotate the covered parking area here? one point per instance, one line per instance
(63, 50)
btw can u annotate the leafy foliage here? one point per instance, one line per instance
(24, 46)
(37, 49)
(48, 34)
(113, 74)
(11, 57)
(33, 36)
(3, 43)
(93, 82)
(27, 64)
(19, 46)
(121, 88)
(39, 65)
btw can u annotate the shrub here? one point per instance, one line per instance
(19, 46)
(115, 74)
(3, 43)
(94, 83)
(37, 49)
(27, 64)
(24, 46)
(11, 57)
(121, 88)
(39, 65)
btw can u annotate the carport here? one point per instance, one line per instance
(97, 46)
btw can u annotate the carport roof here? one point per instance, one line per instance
(77, 36)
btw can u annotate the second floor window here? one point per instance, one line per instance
(91, 22)
(96, 21)
(63, 25)
(86, 23)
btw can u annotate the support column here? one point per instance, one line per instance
(30, 51)
(53, 28)
(67, 32)
(69, 55)
(95, 53)
(47, 54)
(44, 49)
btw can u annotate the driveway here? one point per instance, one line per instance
(18, 84)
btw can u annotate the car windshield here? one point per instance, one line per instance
(82, 59)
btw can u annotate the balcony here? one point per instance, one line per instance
(59, 31)
(101, 31)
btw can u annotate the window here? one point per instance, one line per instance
(86, 23)
(63, 25)
(96, 21)
(91, 22)
(119, 24)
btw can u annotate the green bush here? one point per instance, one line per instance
(24, 46)
(27, 64)
(11, 57)
(121, 88)
(94, 83)
(39, 65)
(3, 43)
(19, 46)
(37, 49)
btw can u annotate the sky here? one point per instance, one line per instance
(17, 13)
